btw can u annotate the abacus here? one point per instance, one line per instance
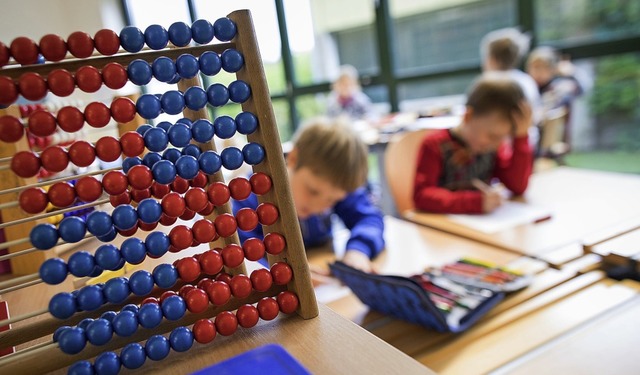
(125, 321)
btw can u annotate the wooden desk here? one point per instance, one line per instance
(583, 202)
(623, 250)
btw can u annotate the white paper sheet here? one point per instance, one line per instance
(509, 215)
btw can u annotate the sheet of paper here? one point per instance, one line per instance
(509, 215)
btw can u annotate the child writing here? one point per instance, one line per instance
(455, 164)
(327, 170)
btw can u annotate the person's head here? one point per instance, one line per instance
(347, 82)
(503, 49)
(542, 64)
(328, 161)
(492, 101)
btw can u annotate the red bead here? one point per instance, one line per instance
(208, 210)
(247, 219)
(33, 200)
(173, 204)
(203, 231)
(115, 182)
(253, 249)
(281, 273)
(268, 308)
(32, 86)
(204, 283)
(274, 243)
(200, 180)
(139, 194)
(61, 194)
(54, 159)
(70, 119)
(114, 76)
(247, 316)
(153, 300)
(116, 200)
(53, 47)
(288, 302)
(106, 42)
(25, 164)
(240, 286)
(219, 293)
(147, 227)
(232, 255)
(180, 185)
(181, 237)
(131, 142)
(11, 129)
(196, 199)
(267, 213)
(80, 44)
(224, 277)
(261, 280)
(225, 225)
(61, 82)
(42, 123)
(188, 269)
(226, 323)
(97, 114)
(82, 153)
(260, 183)
(204, 331)
(24, 50)
(88, 78)
(140, 176)
(197, 300)
(240, 188)
(123, 110)
(5, 54)
(108, 149)
(211, 262)
(187, 215)
(159, 190)
(88, 189)
(167, 221)
(218, 193)
(8, 91)
(167, 294)
(182, 292)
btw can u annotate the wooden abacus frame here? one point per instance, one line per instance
(46, 357)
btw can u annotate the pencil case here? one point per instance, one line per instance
(270, 359)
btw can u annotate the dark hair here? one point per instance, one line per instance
(505, 53)
(495, 92)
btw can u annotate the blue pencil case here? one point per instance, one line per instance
(404, 298)
(269, 359)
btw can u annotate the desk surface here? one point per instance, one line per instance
(582, 202)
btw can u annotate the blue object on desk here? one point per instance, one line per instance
(266, 360)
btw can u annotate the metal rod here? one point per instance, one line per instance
(54, 213)
(22, 317)
(19, 280)
(21, 286)
(8, 205)
(14, 243)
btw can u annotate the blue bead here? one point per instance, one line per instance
(148, 106)
(72, 229)
(173, 308)
(195, 98)
(57, 332)
(129, 162)
(246, 122)
(124, 217)
(97, 271)
(99, 223)
(232, 158)
(165, 275)
(156, 139)
(72, 340)
(141, 283)
(149, 210)
(209, 162)
(108, 315)
(185, 121)
(139, 72)
(84, 323)
(107, 363)
(224, 29)
(157, 243)
(179, 135)
(192, 150)
(133, 356)
(171, 154)
(210, 63)
(143, 129)
(225, 127)
(116, 290)
(81, 264)
(108, 257)
(63, 305)
(164, 125)
(202, 130)
(239, 91)
(164, 69)
(90, 298)
(180, 34)
(202, 31)
(157, 347)
(217, 95)
(131, 39)
(232, 60)
(151, 158)
(53, 271)
(110, 236)
(181, 339)
(172, 102)
(133, 249)
(187, 66)
(156, 37)
(43, 236)
(99, 332)
(187, 167)
(176, 78)
(164, 172)
(125, 323)
(81, 368)
(253, 153)
(150, 315)
(131, 307)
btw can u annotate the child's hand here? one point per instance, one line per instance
(491, 200)
(357, 260)
(522, 120)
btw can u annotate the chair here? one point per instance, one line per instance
(553, 142)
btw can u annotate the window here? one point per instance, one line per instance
(162, 12)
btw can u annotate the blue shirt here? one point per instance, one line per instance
(358, 213)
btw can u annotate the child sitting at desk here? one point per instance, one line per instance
(454, 165)
(327, 173)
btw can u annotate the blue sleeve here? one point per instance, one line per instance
(365, 222)
(252, 203)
